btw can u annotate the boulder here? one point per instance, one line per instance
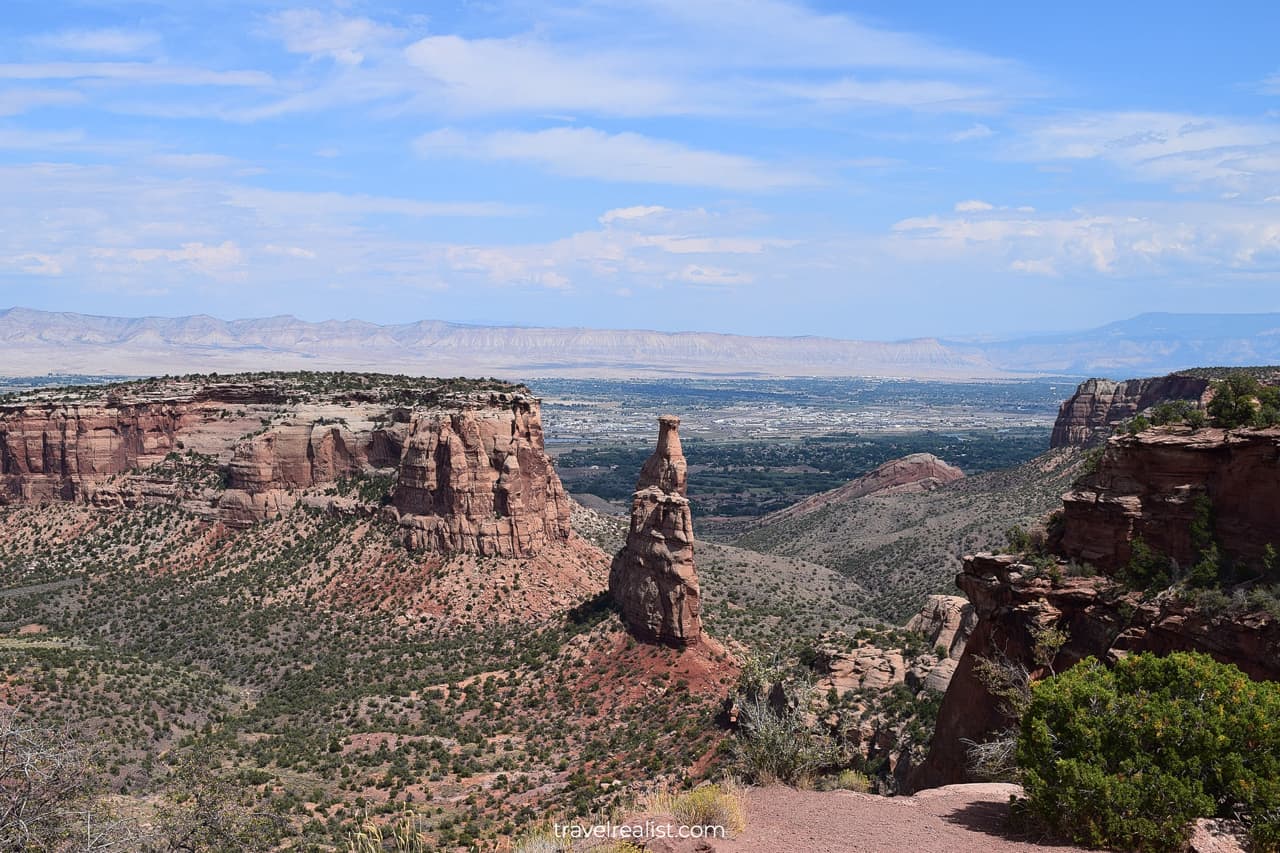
(947, 621)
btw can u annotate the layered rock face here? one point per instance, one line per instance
(1099, 619)
(653, 579)
(480, 482)
(60, 452)
(1087, 418)
(1147, 485)
(458, 470)
(918, 472)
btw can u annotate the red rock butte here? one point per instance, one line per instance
(458, 465)
(653, 579)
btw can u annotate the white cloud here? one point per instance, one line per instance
(726, 57)
(35, 263)
(17, 101)
(155, 73)
(290, 252)
(1035, 266)
(711, 276)
(497, 75)
(624, 157)
(109, 41)
(928, 95)
(619, 214)
(774, 33)
(1141, 240)
(345, 40)
(1187, 151)
(287, 203)
(114, 227)
(40, 139)
(973, 206)
(976, 131)
(191, 162)
(198, 256)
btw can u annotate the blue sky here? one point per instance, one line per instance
(877, 170)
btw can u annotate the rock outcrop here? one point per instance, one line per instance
(1148, 485)
(1089, 416)
(918, 472)
(459, 466)
(1099, 618)
(480, 482)
(947, 621)
(653, 580)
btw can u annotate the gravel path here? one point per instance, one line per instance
(953, 819)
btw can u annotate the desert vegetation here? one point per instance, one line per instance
(1128, 756)
(276, 655)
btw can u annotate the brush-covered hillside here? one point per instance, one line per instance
(900, 544)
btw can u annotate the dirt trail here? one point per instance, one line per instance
(953, 819)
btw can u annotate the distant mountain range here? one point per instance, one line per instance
(38, 342)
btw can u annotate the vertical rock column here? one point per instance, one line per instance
(653, 579)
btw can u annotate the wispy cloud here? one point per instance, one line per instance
(622, 157)
(120, 226)
(345, 40)
(924, 95)
(524, 74)
(976, 131)
(18, 101)
(775, 33)
(1143, 240)
(110, 41)
(1186, 150)
(725, 57)
(154, 73)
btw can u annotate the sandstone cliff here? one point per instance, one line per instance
(458, 465)
(653, 579)
(1147, 485)
(1099, 619)
(479, 481)
(1087, 418)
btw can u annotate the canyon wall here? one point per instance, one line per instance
(1087, 418)
(1148, 485)
(1145, 485)
(458, 471)
(480, 482)
(1098, 617)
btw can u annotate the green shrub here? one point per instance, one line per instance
(1241, 401)
(1147, 568)
(852, 780)
(1171, 412)
(1128, 757)
(778, 745)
